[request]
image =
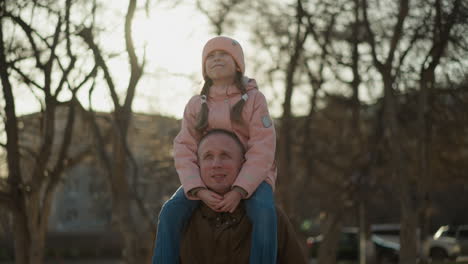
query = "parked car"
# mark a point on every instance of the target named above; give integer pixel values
(388, 232)
(448, 242)
(347, 245)
(386, 237)
(383, 251)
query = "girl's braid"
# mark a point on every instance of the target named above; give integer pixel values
(202, 119)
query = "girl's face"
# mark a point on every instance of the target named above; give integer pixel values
(219, 65)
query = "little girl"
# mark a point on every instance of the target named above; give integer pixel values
(232, 102)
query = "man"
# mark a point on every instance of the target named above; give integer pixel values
(221, 237)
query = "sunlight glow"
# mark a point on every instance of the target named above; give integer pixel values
(173, 40)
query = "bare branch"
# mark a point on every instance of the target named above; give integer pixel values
(87, 35)
(26, 79)
(416, 36)
(11, 125)
(64, 147)
(217, 22)
(91, 74)
(49, 63)
(67, 28)
(70, 54)
(218, 18)
(136, 69)
(62, 160)
(441, 33)
(398, 30)
(28, 31)
(65, 74)
(371, 36)
(89, 116)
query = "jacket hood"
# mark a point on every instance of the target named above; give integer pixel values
(250, 83)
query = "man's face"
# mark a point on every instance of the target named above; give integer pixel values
(220, 159)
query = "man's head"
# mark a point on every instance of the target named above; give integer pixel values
(220, 157)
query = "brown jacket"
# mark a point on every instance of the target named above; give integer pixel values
(223, 238)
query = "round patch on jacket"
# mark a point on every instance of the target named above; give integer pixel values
(266, 120)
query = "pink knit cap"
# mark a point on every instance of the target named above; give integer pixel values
(228, 45)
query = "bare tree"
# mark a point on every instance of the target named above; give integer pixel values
(392, 134)
(332, 209)
(443, 23)
(372, 149)
(219, 13)
(285, 137)
(120, 164)
(31, 185)
(391, 66)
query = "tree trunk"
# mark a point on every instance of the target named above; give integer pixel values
(408, 192)
(331, 231)
(29, 236)
(30, 189)
(137, 244)
(137, 234)
(37, 246)
(21, 237)
(440, 40)
(423, 156)
(408, 233)
(285, 175)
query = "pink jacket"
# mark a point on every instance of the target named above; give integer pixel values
(257, 134)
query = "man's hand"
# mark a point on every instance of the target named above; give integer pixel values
(211, 199)
(230, 202)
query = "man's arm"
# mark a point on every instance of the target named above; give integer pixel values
(289, 249)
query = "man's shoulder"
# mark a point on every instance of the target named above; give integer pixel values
(282, 216)
(280, 211)
(283, 219)
(289, 248)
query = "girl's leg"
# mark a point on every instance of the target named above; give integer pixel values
(262, 213)
(173, 217)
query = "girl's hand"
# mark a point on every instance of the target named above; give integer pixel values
(211, 199)
(230, 202)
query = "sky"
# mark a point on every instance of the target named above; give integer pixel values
(174, 39)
